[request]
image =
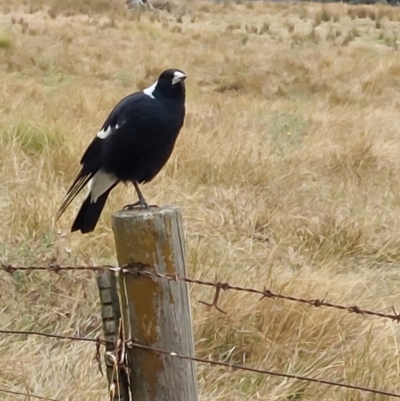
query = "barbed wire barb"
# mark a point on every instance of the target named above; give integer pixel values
(137, 269)
(219, 286)
(267, 293)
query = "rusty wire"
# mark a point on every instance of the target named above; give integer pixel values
(28, 395)
(54, 268)
(132, 344)
(265, 293)
(138, 269)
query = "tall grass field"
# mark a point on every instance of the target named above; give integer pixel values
(287, 172)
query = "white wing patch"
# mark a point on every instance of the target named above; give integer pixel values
(99, 184)
(104, 134)
(149, 91)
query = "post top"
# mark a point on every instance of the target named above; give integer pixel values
(147, 213)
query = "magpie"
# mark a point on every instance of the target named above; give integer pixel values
(132, 146)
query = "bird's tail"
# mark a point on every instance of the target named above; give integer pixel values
(89, 213)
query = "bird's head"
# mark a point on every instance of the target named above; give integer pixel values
(171, 84)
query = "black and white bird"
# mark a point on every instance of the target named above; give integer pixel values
(133, 145)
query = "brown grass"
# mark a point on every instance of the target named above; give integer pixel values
(287, 172)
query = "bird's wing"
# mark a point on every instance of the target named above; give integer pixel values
(92, 159)
(91, 163)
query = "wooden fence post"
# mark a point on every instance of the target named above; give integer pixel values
(111, 315)
(156, 312)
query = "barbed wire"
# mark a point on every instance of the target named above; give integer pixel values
(138, 269)
(265, 293)
(29, 395)
(55, 268)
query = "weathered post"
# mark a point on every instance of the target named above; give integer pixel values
(156, 312)
(111, 316)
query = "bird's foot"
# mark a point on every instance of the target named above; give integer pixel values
(140, 204)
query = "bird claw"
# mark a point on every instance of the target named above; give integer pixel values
(138, 205)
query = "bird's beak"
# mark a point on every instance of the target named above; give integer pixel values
(178, 77)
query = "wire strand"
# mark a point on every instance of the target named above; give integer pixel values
(58, 336)
(137, 269)
(264, 372)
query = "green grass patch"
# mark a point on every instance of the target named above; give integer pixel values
(6, 40)
(32, 138)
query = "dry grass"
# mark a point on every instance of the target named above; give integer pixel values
(287, 172)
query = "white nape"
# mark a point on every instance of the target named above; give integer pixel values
(149, 91)
(99, 184)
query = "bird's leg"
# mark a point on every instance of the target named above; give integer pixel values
(142, 203)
